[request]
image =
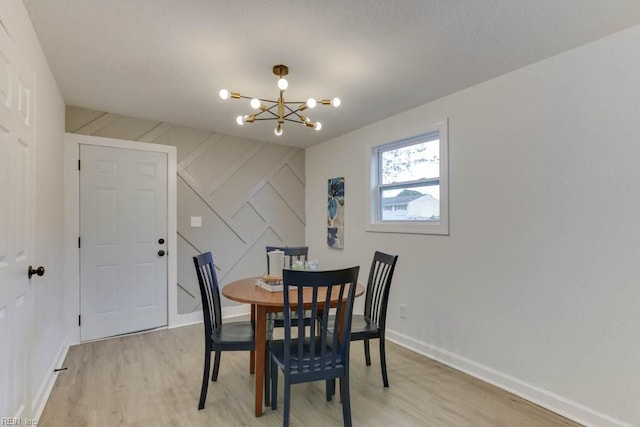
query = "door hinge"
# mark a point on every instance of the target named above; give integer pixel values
(78, 242)
(79, 321)
(78, 164)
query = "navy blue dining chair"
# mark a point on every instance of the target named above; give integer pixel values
(295, 253)
(372, 324)
(219, 336)
(321, 352)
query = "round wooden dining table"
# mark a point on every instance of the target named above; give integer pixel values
(263, 302)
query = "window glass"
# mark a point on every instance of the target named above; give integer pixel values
(411, 163)
(409, 184)
(411, 204)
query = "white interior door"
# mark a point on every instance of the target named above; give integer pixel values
(16, 227)
(123, 231)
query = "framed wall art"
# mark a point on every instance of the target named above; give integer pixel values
(335, 213)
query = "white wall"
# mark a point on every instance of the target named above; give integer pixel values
(47, 345)
(539, 290)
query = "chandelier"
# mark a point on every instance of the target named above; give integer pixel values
(279, 109)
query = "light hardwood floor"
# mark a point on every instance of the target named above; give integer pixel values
(153, 379)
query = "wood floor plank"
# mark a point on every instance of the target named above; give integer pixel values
(153, 379)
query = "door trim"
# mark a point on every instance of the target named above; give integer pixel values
(72, 225)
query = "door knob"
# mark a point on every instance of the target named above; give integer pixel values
(161, 252)
(161, 241)
(39, 271)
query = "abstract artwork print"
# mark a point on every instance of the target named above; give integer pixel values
(335, 213)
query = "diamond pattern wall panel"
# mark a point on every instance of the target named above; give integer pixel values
(249, 194)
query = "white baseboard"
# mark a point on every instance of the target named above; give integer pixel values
(41, 397)
(185, 319)
(196, 317)
(549, 400)
(236, 311)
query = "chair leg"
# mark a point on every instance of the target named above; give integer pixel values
(216, 366)
(205, 378)
(383, 362)
(267, 377)
(367, 352)
(274, 386)
(346, 401)
(329, 389)
(287, 401)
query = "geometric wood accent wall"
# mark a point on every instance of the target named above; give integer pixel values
(249, 194)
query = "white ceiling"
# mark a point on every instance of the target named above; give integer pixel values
(166, 60)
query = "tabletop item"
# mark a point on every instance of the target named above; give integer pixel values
(304, 265)
(270, 283)
(276, 262)
(298, 265)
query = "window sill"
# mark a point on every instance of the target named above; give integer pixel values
(438, 228)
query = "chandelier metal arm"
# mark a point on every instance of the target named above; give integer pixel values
(268, 110)
(299, 118)
(294, 121)
(265, 118)
(260, 99)
(291, 111)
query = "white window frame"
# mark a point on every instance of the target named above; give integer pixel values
(441, 227)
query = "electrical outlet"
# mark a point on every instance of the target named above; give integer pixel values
(403, 311)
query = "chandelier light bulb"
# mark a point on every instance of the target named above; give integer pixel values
(336, 102)
(283, 84)
(240, 120)
(255, 103)
(318, 126)
(224, 94)
(278, 131)
(311, 103)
